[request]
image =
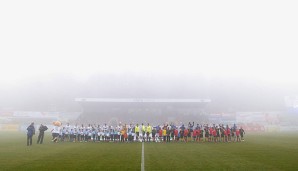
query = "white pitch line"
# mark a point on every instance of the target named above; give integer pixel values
(143, 161)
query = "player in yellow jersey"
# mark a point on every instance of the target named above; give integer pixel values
(164, 133)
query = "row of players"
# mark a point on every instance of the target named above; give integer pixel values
(165, 133)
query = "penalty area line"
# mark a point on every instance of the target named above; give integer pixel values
(143, 161)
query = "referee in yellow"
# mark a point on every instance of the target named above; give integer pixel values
(148, 132)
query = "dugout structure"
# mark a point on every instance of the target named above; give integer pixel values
(141, 110)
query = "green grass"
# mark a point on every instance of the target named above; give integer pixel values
(257, 152)
(16, 155)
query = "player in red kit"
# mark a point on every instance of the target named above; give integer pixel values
(176, 134)
(185, 134)
(238, 135)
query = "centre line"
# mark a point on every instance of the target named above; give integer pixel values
(143, 161)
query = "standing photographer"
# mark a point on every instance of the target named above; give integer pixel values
(42, 129)
(30, 133)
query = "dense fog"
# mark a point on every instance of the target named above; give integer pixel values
(241, 56)
(57, 92)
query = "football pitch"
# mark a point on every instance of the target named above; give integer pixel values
(258, 152)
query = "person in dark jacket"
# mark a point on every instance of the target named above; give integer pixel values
(42, 129)
(242, 132)
(30, 133)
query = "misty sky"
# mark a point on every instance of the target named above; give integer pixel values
(252, 39)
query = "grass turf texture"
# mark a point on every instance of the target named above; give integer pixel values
(258, 152)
